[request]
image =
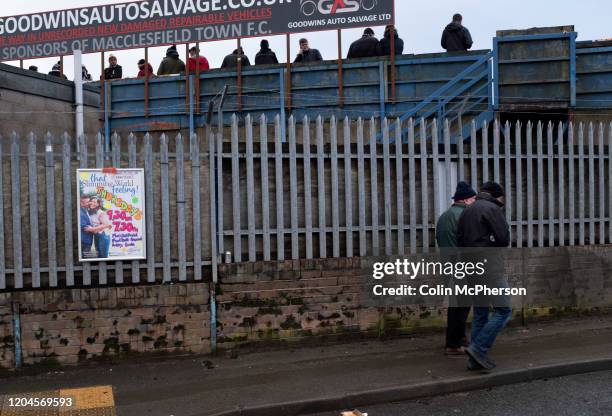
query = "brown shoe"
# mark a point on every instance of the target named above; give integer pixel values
(454, 352)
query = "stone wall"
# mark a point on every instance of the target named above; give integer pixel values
(71, 326)
(291, 301)
(324, 299)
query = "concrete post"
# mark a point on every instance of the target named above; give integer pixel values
(78, 95)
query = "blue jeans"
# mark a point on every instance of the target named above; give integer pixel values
(102, 242)
(485, 328)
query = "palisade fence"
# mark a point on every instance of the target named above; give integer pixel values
(328, 189)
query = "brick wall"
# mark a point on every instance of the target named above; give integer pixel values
(6, 333)
(305, 301)
(69, 326)
(324, 299)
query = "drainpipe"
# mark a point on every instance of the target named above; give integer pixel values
(17, 334)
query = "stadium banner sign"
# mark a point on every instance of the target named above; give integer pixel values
(151, 23)
(111, 216)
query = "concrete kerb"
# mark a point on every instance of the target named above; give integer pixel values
(416, 391)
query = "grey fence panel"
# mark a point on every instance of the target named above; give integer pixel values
(529, 170)
(519, 183)
(250, 189)
(100, 143)
(550, 179)
(67, 191)
(424, 190)
(363, 250)
(293, 190)
(321, 189)
(334, 189)
(387, 187)
(508, 175)
(116, 157)
(150, 208)
(16, 209)
(33, 202)
(165, 191)
(561, 182)
(213, 205)
(581, 187)
(412, 188)
(348, 187)
(280, 199)
(591, 149)
(540, 173)
(496, 142)
(399, 186)
(265, 187)
(485, 152)
(132, 164)
(448, 167)
(307, 187)
(236, 220)
(560, 174)
(180, 207)
(374, 188)
(220, 203)
(473, 159)
(436, 168)
(51, 222)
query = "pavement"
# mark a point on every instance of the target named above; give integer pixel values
(295, 381)
(577, 395)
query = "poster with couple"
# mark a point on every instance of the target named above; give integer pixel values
(111, 214)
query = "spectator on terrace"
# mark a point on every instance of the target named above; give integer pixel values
(265, 56)
(194, 58)
(456, 37)
(365, 47)
(33, 68)
(56, 71)
(384, 46)
(306, 54)
(145, 72)
(231, 60)
(114, 71)
(85, 75)
(171, 64)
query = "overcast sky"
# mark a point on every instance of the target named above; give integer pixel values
(419, 23)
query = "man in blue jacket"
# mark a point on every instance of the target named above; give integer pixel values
(85, 222)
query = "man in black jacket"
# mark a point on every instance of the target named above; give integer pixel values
(483, 225)
(114, 70)
(265, 56)
(456, 37)
(306, 54)
(384, 46)
(365, 47)
(231, 60)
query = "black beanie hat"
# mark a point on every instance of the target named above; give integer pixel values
(493, 188)
(464, 191)
(264, 44)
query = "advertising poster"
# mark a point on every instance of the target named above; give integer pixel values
(111, 214)
(149, 23)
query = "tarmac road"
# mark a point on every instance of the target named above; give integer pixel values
(579, 395)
